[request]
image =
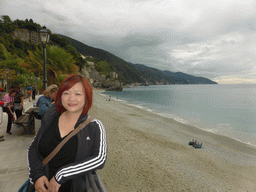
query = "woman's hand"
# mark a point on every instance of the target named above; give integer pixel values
(54, 186)
(42, 184)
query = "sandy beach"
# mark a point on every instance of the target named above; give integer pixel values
(147, 152)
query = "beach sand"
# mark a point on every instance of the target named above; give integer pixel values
(147, 152)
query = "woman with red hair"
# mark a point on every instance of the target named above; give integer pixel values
(84, 152)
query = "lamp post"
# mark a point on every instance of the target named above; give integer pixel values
(7, 72)
(44, 37)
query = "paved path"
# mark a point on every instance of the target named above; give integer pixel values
(13, 155)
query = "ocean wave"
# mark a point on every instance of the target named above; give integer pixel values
(223, 129)
(174, 117)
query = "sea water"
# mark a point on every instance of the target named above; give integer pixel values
(228, 110)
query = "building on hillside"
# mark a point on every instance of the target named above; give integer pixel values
(113, 75)
(27, 35)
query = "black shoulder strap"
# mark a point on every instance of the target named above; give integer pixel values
(74, 132)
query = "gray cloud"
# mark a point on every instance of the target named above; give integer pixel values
(54, 15)
(210, 39)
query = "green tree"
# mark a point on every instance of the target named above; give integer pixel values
(8, 60)
(103, 67)
(6, 19)
(57, 59)
(60, 61)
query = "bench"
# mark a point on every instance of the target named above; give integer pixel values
(27, 121)
(22, 120)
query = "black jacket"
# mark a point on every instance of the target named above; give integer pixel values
(91, 153)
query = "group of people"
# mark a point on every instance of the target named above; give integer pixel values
(62, 110)
(12, 103)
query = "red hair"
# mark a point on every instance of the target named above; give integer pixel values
(69, 82)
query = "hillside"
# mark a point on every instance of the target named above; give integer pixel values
(21, 51)
(154, 76)
(183, 78)
(127, 73)
(131, 73)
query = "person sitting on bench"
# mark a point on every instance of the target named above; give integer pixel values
(47, 99)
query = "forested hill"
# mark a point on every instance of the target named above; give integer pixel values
(127, 72)
(130, 73)
(151, 75)
(21, 52)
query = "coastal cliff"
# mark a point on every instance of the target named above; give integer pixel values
(137, 74)
(105, 70)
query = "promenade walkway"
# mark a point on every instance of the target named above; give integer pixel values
(13, 155)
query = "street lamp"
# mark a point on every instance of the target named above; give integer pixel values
(7, 72)
(44, 37)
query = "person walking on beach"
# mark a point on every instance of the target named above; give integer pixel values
(47, 99)
(84, 152)
(29, 92)
(8, 108)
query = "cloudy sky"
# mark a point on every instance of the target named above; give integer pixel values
(214, 39)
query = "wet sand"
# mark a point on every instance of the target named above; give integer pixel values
(147, 152)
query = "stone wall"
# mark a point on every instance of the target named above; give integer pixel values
(26, 35)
